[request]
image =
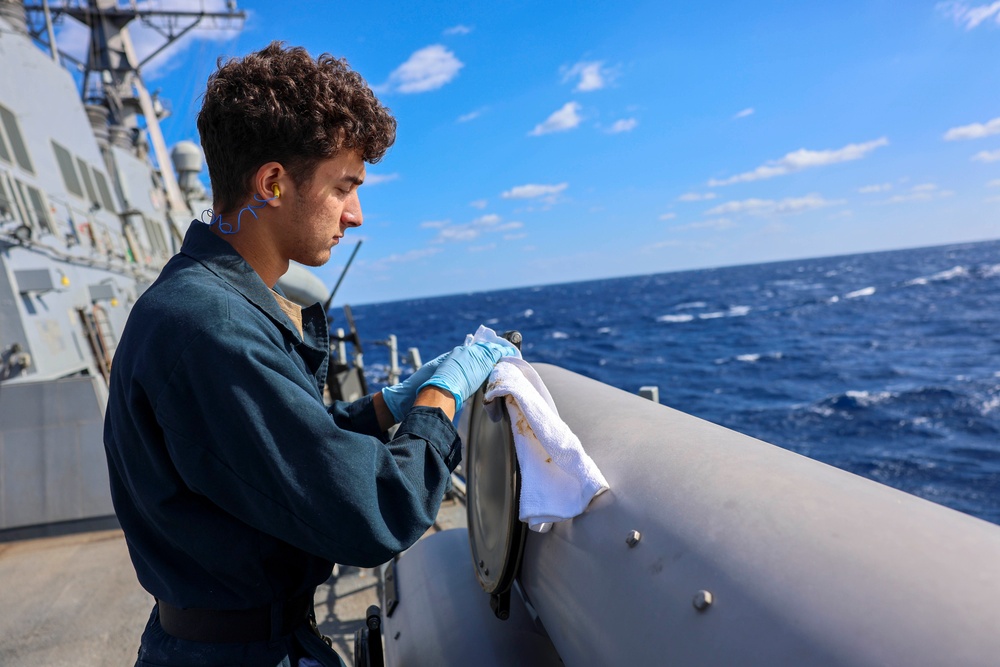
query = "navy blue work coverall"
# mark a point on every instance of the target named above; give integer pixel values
(236, 487)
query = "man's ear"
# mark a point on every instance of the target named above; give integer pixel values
(269, 181)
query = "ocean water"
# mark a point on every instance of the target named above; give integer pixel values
(886, 364)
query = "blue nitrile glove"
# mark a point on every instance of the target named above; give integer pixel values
(468, 367)
(399, 397)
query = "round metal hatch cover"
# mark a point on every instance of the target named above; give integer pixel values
(493, 487)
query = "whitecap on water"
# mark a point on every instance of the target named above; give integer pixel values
(866, 398)
(604, 330)
(954, 272)
(690, 304)
(734, 311)
(990, 404)
(949, 274)
(754, 357)
(868, 291)
(528, 313)
(560, 335)
(674, 318)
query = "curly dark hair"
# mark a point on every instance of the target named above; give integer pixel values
(279, 104)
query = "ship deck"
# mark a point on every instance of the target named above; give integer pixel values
(74, 599)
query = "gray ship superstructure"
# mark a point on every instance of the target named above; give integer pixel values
(90, 211)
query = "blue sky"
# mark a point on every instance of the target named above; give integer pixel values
(566, 140)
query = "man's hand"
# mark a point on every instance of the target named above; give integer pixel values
(399, 398)
(467, 367)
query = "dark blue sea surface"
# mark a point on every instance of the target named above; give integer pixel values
(886, 364)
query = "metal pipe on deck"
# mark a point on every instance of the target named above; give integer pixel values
(750, 554)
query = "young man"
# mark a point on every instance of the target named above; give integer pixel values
(237, 489)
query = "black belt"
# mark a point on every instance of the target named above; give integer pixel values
(223, 626)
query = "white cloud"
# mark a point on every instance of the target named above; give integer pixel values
(458, 30)
(668, 216)
(987, 156)
(922, 192)
(593, 76)
(482, 248)
(479, 203)
(803, 159)
(564, 119)
(458, 233)
(871, 189)
(486, 220)
(375, 179)
(743, 114)
(716, 223)
(490, 223)
(410, 256)
(995, 183)
(435, 224)
(975, 130)
(623, 125)
(514, 237)
(427, 69)
(472, 115)
(769, 206)
(697, 196)
(971, 17)
(532, 190)
(672, 243)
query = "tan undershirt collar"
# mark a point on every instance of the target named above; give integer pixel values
(291, 309)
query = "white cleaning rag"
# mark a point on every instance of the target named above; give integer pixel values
(558, 478)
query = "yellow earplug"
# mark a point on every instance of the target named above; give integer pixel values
(275, 190)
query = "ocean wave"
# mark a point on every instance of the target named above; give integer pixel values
(865, 399)
(989, 271)
(867, 291)
(941, 276)
(671, 319)
(734, 311)
(605, 330)
(690, 304)
(940, 400)
(559, 335)
(751, 358)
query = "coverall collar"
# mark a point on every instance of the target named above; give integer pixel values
(203, 246)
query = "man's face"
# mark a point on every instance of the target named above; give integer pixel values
(323, 209)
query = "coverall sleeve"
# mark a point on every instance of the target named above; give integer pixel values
(246, 427)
